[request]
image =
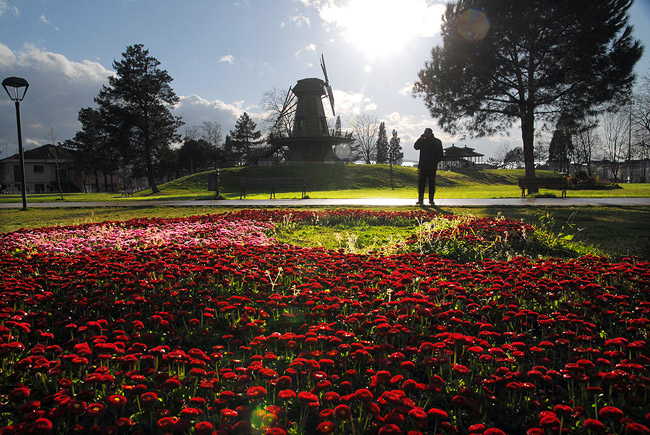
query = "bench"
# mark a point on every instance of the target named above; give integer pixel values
(559, 183)
(272, 183)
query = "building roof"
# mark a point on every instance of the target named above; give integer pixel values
(44, 152)
(457, 152)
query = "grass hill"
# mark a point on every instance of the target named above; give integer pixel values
(345, 177)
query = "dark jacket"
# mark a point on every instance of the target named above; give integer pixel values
(430, 152)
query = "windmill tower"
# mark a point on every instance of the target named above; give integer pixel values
(309, 140)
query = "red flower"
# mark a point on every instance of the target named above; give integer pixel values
(549, 421)
(460, 369)
(166, 423)
(171, 383)
(494, 431)
(96, 410)
(326, 427)
(594, 425)
(342, 412)
(390, 429)
(476, 428)
(306, 397)
(256, 393)
(76, 406)
(610, 412)
(203, 428)
(562, 410)
(189, 413)
(229, 414)
(124, 422)
(42, 425)
(363, 394)
(636, 429)
(286, 394)
(417, 414)
(438, 414)
(149, 398)
(116, 401)
(18, 394)
(331, 397)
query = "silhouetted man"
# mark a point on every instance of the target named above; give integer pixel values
(430, 155)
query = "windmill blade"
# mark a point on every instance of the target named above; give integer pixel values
(322, 66)
(331, 97)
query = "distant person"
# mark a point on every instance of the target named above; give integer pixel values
(430, 155)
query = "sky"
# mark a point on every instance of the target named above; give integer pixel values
(225, 55)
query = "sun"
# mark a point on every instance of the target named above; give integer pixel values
(381, 28)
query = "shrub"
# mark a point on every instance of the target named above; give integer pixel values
(581, 180)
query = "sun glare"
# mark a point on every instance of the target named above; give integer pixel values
(384, 27)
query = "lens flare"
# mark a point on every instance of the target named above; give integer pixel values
(473, 25)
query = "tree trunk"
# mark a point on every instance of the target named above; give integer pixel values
(150, 173)
(528, 137)
(147, 151)
(97, 182)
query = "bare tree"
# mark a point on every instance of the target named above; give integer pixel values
(500, 154)
(641, 109)
(585, 142)
(208, 131)
(615, 134)
(641, 124)
(280, 111)
(365, 128)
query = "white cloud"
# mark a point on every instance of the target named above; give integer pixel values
(406, 90)
(44, 20)
(58, 89)
(195, 110)
(227, 58)
(299, 20)
(308, 47)
(351, 103)
(7, 57)
(5, 6)
(370, 106)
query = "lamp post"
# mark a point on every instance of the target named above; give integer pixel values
(16, 88)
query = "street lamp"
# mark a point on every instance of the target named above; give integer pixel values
(16, 88)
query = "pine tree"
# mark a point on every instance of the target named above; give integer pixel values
(137, 104)
(561, 147)
(395, 154)
(243, 139)
(382, 145)
(337, 127)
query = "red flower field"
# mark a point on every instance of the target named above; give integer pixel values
(208, 325)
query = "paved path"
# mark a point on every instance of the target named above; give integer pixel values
(358, 202)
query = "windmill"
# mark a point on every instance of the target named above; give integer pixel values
(309, 139)
(328, 88)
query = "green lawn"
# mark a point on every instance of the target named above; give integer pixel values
(343, 181)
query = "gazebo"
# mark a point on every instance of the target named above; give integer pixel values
(460, 158)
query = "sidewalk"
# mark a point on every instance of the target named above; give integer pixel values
(356, 202)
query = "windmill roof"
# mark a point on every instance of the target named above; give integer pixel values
(309, 85)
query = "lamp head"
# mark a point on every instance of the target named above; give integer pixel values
(15, 87)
